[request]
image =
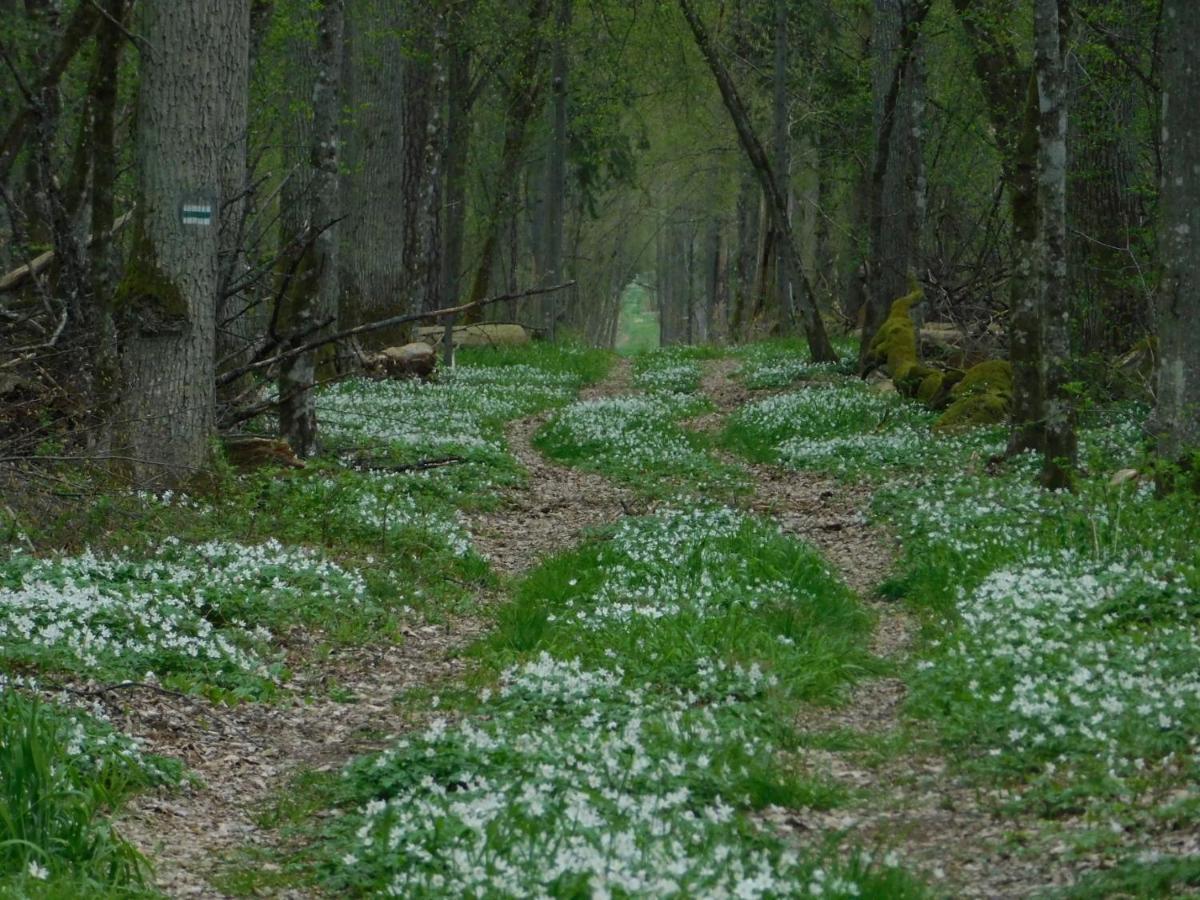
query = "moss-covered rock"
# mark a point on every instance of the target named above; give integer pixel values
(982, 397)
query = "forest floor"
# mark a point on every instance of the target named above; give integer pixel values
(621, 561)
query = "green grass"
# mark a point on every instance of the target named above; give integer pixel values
(640, 686)
(1138, 880)
(60, 773)
(660, 596)
(638, 328)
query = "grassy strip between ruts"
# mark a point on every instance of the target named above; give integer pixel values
(201, 592)
(643, 711)
(636, 438)
(1063, 630)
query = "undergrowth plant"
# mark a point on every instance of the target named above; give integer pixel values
(641, 712)
(60, 773)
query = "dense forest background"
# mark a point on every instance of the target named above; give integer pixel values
(197, 197)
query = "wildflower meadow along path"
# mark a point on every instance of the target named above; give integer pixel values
(696, 624)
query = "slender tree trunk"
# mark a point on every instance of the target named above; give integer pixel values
(782, 141)
(455, 151)
(895, 182)
(524, 90)
(1025, 316)
(1176, 419)
(1104, 204)
(556, 169)
(166, 303)
(748, 202)
(1011, 92)
(1051, 25)
(814, 328)
(103, 261)
(316, 297)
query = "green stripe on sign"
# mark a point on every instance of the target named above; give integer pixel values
(194, 214)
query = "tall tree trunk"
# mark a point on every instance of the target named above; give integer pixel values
(554, 205)
(392, 89)
(1176, 419)
(316, 297)
(895, 179)
(1104, 204)
(749, 200)
(103, 261)
(782, 142)
(1025, 315)
(455, 151)
(1050, 56)
(814, 328)
(1011, 93)
(521, 103)
(166, 303)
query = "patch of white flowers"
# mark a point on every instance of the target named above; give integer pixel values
(1081, 657)
(598, 792)
(457, 414)
(90, 611)
(675, 564)
(667, 370)
(384, 502)
(634, 430)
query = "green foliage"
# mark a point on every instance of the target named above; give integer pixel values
(59, 772)
(660, 596)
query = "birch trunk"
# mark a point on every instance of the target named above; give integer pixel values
(1051, 23)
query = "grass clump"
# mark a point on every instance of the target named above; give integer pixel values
(60, 773)
(1062, 651)
(193, 616)
(672, 369)
(575, 783)
(846, 429)
(691, 598)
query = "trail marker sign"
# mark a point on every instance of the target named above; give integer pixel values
(196, 213)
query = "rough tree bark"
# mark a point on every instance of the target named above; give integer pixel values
(166, 302)
(316, 297)
(1176, 419)
(1050, 55)
(814, 329)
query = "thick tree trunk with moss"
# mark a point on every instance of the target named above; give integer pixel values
(165, 306)
(1050, 56)
(316, 297)
(1176, 419)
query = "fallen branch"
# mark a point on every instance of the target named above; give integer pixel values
(420, 465)
(39, 264)
(235, 374)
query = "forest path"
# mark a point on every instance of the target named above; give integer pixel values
(904, 795)
(244, 758)
(547, 513)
